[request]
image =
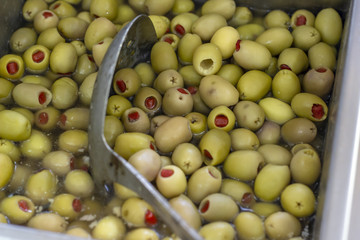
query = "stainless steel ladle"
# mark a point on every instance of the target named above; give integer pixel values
(130, 46)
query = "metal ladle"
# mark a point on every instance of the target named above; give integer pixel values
(131, 45)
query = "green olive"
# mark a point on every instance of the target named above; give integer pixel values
(309, 106)
(3, 219)
(161, 23)
(126, 144)
(112, 128)
(41, 186)
(172, 132)
(328, 22)
(225, 39)
(31, 8)
(49, 38)
(126, 82)
(11, 149)
(79, 183)
(177, 102)
(20, 176)
(305, 37)
(265, 209)
(272, 69)
(243, 139)
(218, 207)
(221, 117)
(275, 154)
(66, 205)
(59, 162)
(65, 93)
(36, 146)
(282, 225)
(99, 49)
(156, 121)
(146, 73)
(75, 118)
(215, 91)
(11, 66)
(305, 166)
(182, 23)
(147, 162)
(242, 15)
(48, 221)
(224, 8)
(149, 100)
(153, 6)
(36, 59)
(207, 59)
(198, 123)
(318, 81)
(249, 226)
(101, 8)
(231, 72)
(187, 45)
(123, 192)
(72, 28)
(285, 85)
(206, 25)
(276, 39)
(241, 192)
(250, 31)
(63, 9)
(63, 58)
(163, 57)
(47, 118)
(135, 120)
(269, 133)
(298, 199)
(74, 141)
(136, 212)
(171, 181)
(138, 233)
(84, 67)
(37, 79)
(270, 182)
(254, 85)
(97, 30)
(293, 59)
(19, 209)
(86, 89)
(203, 182)
(276, 110)
(26, 112)
(187, 157)
(243, 164)
(86, 16)
(32, 96)
(15, 126)
(22, 39)
(124, 14)
(6, 88)
(167, 79)
(199, 104)
(276, 18)
(182, 6)
(215, 146)
(322, 55)
(44, 20)
(7, 166)
(172, 39)
(298, 130)
(249, 115)
(302, 17)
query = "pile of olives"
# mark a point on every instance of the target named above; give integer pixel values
(226, 119)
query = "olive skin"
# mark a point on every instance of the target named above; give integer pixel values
(243, 164)
(254, 85)
(293, 59)
(181, 24)
(7, 165)
(231, 72)
(97, 30)
(207, 59)
(153, 6)
(161, 23)
(63, 9)
(203, 182)
(64, 93)
(318, 81)
(72, 28)
(36, 146)
(177, 102)
(18, 209)
(48, 221)
(322, 55)
(309, 106)
(167, 79)
(112, 128)
(218, 207)
(206, 25)
(149, 100)
(285, 85)
(146, 74)
(282, 225)
(305, 37)
(63, 58)
(44, 20)
(241, 192)
(74, 141)
(187, 45)
(22, 39)
(225, 39)
(276, 39)
(249, 115)
(217, 230)
(163, 57)
(136, 211)
(276, 110)
(11, 149)
(305, 166)
(117, 105)
(41, 186)
(249, 226)
(276, 18)
(47, 118)
(32, 96)
(265, 209)
(252, 55)
(74, 118)
(302, 17)
(198, 123)
(215, 146)
(275, 154)
(147, 162)
(141, 232)
(171, 181)
(242, 16)
(244, 139)
(84, 67)
(126, 82)
(172, 132)
(15, 126)
(156, 121)
(187, 157)
(135, 120)
(59, 162)
(250, 31)
(298, 130)
(328, 22)
(269, 133)
(79, 183)
(298, 199)
(215, 91)
(107, 8)
(126, 144)
(224, 8)
(66, 205)
(270, 181)
(186, 209)
(50, 38)
(32, 7)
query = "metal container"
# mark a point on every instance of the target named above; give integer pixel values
(338, 211)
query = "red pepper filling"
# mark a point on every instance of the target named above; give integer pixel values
(221, 121)
(43, 118)
(134, 116)
(207, 154)
(285, 66)
(76, 204)
(182, 90)
(72, 163)
(63, 119)
(150, 218)
(180, 29)
(12, 68)
(300, 20)
(246, 198)
(47, 14)
(237, 47)
(38, 56)
(168, 40)
(317, 111)
(91, 58)
(152, 146)
(205, 207)
(321, 70)
(150, 102)
(56, 6)
(121, 85)
(24, 206)
(211, 173)
(166, 173)
(42, 97)
(192, 90)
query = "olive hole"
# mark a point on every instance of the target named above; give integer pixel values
(207, 63)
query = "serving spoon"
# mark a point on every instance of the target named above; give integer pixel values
(131, 45)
